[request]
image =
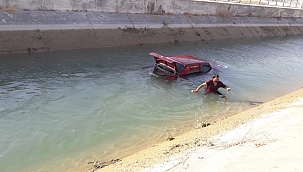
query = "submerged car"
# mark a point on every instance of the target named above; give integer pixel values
(172, 67)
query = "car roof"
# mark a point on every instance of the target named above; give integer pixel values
(183, 59)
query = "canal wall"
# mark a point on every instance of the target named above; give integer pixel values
(36, 27)
(199, 7)
(38, 31)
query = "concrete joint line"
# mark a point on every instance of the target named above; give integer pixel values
(130, 21)
(89, 22)
(35, 22)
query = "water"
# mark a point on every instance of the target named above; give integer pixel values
(60, 110)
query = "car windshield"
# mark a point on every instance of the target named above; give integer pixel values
(179, 67)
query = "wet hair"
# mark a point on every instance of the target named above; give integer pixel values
(215, 76)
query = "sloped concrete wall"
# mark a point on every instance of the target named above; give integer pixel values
(40, 31)
(39, 25)
(153, 7)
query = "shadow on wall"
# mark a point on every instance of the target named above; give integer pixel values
(151, 9)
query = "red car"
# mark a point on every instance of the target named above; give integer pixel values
(172, 67)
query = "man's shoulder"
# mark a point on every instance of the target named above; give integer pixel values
(209, 81)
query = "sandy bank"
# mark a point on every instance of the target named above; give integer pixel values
(264, 138)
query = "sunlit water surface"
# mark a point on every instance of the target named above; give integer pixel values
(60, 110)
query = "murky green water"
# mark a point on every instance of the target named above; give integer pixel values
(60, 110)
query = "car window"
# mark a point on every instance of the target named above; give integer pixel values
(163, 66)
(179, 67)
(193, 69)
(205, 68)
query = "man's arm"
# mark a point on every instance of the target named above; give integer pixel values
(224, 86)
(227, 88)
(200, 86)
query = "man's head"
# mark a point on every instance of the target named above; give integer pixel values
(215, 77)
